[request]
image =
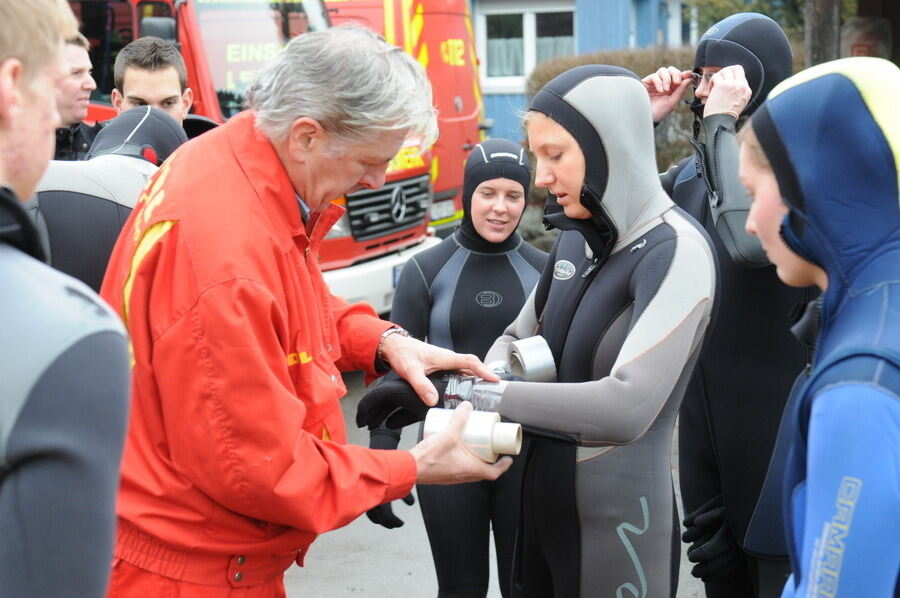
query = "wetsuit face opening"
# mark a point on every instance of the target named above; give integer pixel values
(702, 82)
(767, 213)
(496, 208)
(560, 166)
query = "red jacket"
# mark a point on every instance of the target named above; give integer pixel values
(236, 441)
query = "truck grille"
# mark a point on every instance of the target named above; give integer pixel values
(397, 206)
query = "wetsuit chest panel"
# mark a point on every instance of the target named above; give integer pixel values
(488, 296)
(475, 294)
(593, 310)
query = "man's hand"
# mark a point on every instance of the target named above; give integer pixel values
(442, 458)
(729, 92)
(666, 88)
(392, 402)
(386, 439)
(413, 360)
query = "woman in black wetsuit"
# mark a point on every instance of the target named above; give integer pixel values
(460, 295)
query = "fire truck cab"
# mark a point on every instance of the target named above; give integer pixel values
(224, 44)
(437, 33)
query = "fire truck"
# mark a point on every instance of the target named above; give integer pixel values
(437, 33)
(224, 44)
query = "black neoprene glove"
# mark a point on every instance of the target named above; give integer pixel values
(386, 439)
(392, 402)
(713, 546)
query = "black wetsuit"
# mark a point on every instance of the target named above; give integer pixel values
(623, 304)
(461, 295)
(82, 205)
(63, 413)
(733, 405)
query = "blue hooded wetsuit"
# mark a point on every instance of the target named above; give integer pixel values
(832, 135)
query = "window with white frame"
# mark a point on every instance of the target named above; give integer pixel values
(513, 37)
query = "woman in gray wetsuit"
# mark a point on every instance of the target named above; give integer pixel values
(623, 304)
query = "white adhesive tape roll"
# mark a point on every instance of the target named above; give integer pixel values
(532, 359)
(484, 435)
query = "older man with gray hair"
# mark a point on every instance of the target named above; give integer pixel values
(236, 457)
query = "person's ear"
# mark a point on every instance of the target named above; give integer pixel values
(187, 99)
(117, 99)
(10, 92)
(306, 136)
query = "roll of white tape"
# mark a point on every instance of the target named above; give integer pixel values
(484, 435)
(532, 359)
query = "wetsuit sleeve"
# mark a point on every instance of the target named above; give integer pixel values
(730, 203)
(672, 289)
(248, 448)
(412, 301)
(58, 491)
(847, 518)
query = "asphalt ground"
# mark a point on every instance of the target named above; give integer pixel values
(364, 559)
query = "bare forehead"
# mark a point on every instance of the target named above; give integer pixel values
(544, 131)
(159, 81)
(500, 183)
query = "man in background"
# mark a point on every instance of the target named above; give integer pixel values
(151, 72)
(73, 93)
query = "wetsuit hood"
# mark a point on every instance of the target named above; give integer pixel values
(832, 136)
(144, 132)
(492, 159)
(607, 110)
(753, 41)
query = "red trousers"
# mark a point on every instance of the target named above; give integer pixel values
(128, 581)
(144, 567)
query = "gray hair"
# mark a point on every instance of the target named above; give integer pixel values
(351, 81)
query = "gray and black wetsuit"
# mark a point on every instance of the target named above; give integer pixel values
(64, 380)
(461, 295)
(623, 303)
(83, 205)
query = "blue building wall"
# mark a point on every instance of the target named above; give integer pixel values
(599, 25)
(602, 25)
(504, 108)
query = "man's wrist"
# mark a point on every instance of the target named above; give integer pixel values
(381, 363)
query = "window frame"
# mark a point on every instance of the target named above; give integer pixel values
(528, 9)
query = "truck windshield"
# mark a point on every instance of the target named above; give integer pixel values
(240, 36)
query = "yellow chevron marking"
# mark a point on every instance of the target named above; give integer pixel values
(302, 358)
(389, 24)
(150, 238)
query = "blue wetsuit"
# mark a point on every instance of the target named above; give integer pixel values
(832, 135)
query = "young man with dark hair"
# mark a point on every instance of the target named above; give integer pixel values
(73, 92)
(150, 72)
